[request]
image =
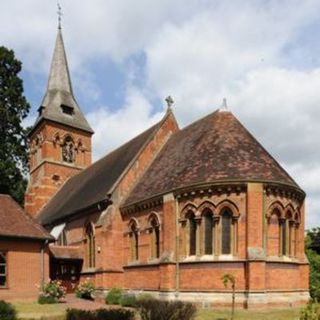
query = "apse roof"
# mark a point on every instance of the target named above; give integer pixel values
(216, 148)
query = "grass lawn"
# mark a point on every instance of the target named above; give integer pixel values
(275, 314)
(33, 310)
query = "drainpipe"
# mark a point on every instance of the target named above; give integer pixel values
(177, 248)
(42, 271)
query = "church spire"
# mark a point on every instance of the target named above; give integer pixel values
(59, 76)
(59, 104)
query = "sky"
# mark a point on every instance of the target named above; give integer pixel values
(126, 56)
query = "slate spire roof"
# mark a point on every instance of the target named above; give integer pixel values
(59, 104)
(214, 149)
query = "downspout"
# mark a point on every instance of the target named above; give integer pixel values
(177, 249)
(42, 271)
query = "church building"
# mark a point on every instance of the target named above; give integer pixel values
(169, 212)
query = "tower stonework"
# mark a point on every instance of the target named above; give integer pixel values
(60, 140)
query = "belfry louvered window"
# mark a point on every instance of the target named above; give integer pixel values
(226, 226)
(208, 233)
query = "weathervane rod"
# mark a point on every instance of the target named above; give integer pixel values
(59, 12)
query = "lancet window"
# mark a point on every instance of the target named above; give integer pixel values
(155, 237)
(90, 246)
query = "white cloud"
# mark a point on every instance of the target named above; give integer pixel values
(113, 129)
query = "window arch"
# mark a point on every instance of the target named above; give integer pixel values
(155, 237)
(134, 236)
(192, 226)
(226, 231)
(90, 246)
(208, 226)
(68, 150)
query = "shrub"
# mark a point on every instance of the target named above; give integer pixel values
(128, 300)
(51, 292)
(85, 290)
(101, 314)
(7, 311)
(76, 314)
(42, 299)
(114, 295)
(310, 312)
(153, 309)
(145, 296)
(114, 314)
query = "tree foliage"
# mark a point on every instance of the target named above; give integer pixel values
(311, 245)
(13, 137)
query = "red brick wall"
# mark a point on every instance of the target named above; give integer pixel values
(167, 128)
(47, 170)
(23, 268)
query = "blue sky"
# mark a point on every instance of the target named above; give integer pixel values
(126, 56)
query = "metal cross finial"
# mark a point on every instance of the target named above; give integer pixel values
(60, 14)
(224, 105)
(169, 101)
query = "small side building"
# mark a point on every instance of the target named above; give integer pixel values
(24, 259)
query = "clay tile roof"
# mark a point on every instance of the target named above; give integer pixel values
(16, 223)
(62, 252)
(213, 149)
(93, 184)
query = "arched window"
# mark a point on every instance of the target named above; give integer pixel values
(226, 232)
(68, 152)
(208, 232)
(192, 234)
(283, 237)
(90, 248)
(134, 235)
(155, 238)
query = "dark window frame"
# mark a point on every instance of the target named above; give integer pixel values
(4, 275)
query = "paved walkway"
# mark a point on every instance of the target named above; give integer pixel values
(72, 301)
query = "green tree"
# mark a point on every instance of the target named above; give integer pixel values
(226, 278)
(13, 137)
(311, 245)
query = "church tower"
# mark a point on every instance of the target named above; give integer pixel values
(60, 140)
